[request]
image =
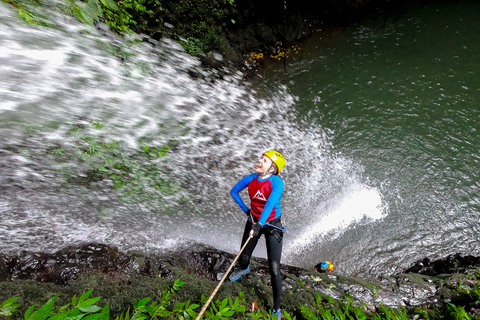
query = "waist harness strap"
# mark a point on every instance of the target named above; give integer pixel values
(273, 226)
(269, 223)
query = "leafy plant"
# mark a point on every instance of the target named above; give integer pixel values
(82, 307)
(324, 308)
(458, 312)
(185, 309)
(391, 313)
(25, 14)
(192, 45)
(137, 175)
(9, 306)
(89, 12)
(374, 289)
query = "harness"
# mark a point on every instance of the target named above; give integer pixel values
(273, 226)
(276, 231)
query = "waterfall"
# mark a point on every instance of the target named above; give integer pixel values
(134, 143)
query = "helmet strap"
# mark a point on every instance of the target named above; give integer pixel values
(274, 167)
(270, 171)
(265, 175)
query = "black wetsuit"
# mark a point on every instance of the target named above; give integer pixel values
(274, 242)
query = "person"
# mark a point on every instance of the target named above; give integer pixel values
(325, 266)
(265, 189)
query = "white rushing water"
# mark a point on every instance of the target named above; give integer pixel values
(63, 87)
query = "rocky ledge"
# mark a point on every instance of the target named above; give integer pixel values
(122, 277)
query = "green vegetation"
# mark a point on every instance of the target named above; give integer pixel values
(27, 15)
(121, 16)
(200, 32)
(322, 308)
(86, 308)
(138, 175)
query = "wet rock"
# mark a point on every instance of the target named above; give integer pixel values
(201, 267)
(451, 264)
(63, 266)
(3, 268)
(214, 59)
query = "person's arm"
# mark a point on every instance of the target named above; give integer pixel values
(242, 184)
(273, 199)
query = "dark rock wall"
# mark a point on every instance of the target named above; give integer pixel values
(204, 26)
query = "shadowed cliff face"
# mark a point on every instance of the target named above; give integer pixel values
(242, 26)
(451, 264)
(64, 266)
(122, 277)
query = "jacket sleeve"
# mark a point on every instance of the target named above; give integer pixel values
(242, 184)
(273, 199)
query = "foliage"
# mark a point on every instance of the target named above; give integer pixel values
(9, 306)
(329, 309)
(203, 35)
(192, 45)
(25, 14)
(138, 175)
(126, 17)
(458, 312)
(86, 308)
(323, 307)
(200, 32)
(117, 16)
(391, 314)
(82, 307)
(122, 16)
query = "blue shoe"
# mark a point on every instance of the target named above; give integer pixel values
(237, 274)
(277, 314)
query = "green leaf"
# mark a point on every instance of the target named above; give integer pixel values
(89, 302)
(84, 296)
(110, 4)
(94, 316)
(105, 314)
(177, 284)
(29, 312)
(44, 311)
(214, 308)
(227, 313)
(143, 302)
(164, 313)
(223, 304)
(59, 316)
(238, 308)
(9, 302)
(75, 317)
(8, 310)
(193, 306)
(63, 308)
(359, 314)
(84, 17)
(90, 309)
(74, 300)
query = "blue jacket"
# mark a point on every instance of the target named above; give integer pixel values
(264, 195)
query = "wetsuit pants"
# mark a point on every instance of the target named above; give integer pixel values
(274, 242)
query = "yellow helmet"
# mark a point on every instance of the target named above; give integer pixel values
(277, 158)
